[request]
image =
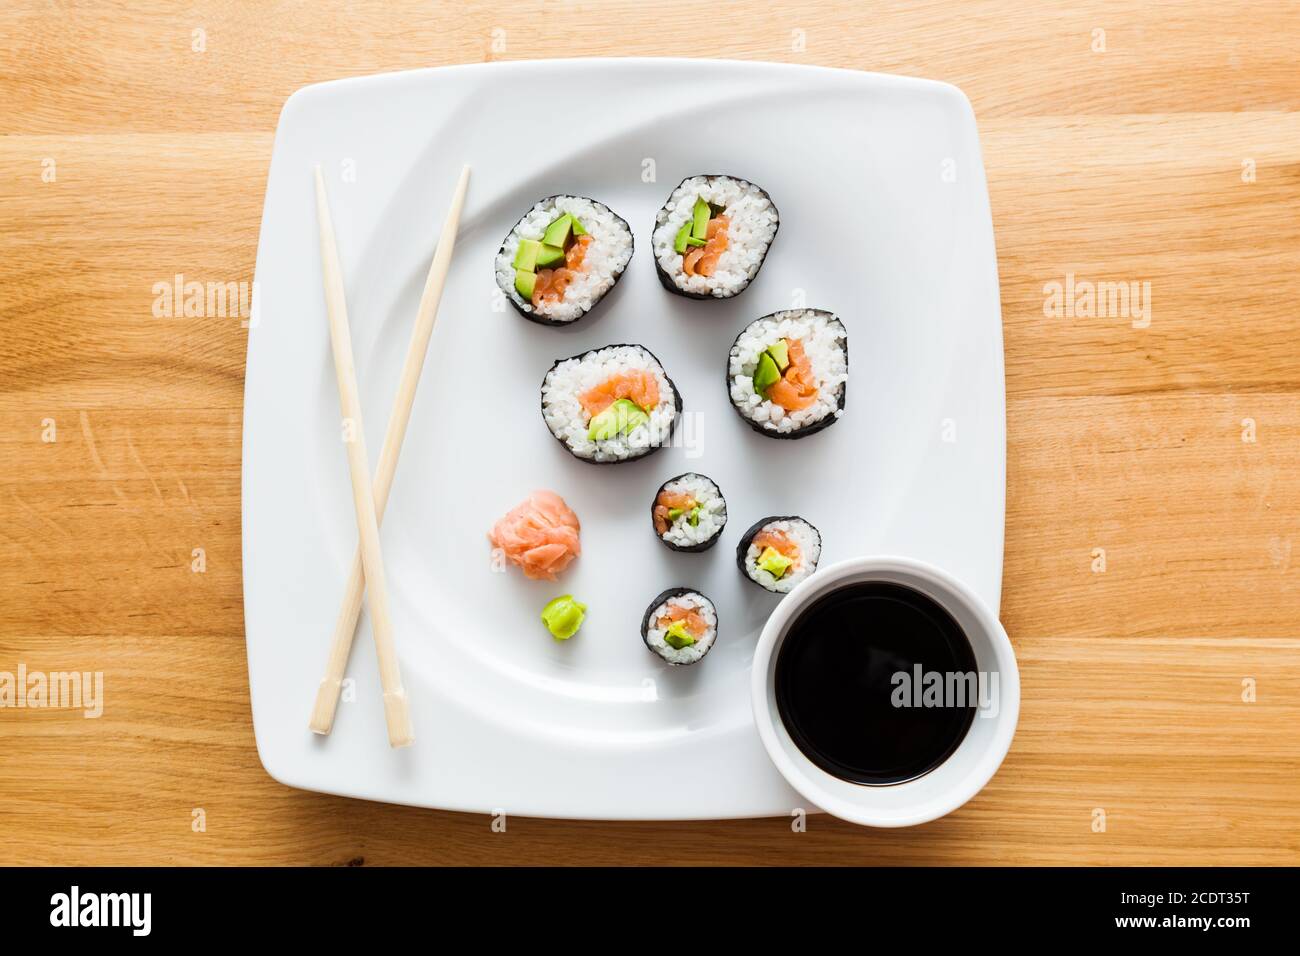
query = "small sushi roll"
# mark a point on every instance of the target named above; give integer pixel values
(562, 258)
(788, 372)
(712, 235)
(680, 626)
(689, 512)
(779, 552)
(611, 404)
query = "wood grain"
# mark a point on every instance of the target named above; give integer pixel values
(1128, 165)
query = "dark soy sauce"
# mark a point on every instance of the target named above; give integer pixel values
(835, 683)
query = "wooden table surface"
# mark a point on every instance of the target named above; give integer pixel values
(1153, 143)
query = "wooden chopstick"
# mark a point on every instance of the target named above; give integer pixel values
(396, 714)
(327, 695)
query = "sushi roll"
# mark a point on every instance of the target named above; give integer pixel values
(788, 372)
(680, 626)
(779, 552)
(611, 404)
(689, 512)
(711, 236)
(561, 258)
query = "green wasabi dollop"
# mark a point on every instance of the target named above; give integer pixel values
(563, 616)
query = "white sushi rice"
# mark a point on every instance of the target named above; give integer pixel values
(753, 223)
(824, 341)
(691, 601)
(713, 511)
(569, 422)
(810, 551)
(606, 258)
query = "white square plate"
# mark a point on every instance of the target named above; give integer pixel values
(884, 220)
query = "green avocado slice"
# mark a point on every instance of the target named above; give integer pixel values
(578, 229)
(685, 239)
(767, 374)
(557, 233)
(774, 562)
(525, 282)
(780, 352)
(677, 636)
(526, 257)
(700, 219)
(679, 242)
(619, 418)
(549, 255)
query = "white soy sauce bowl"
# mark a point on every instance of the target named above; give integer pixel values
(958, 778)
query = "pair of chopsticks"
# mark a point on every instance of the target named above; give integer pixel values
(370, 496)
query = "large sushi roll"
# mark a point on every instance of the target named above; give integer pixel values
(788, 372)
(689, 512)
(779, 552)
(561, 258)
(711, 236)
(680, 626)
(611, 404)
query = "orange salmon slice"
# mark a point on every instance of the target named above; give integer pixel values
(703, 260)
(638, 385)
(577, 252)
(694, 623)
(797, 389)
(666, 501)
(551, 283)
(777, 540)
(714, 247)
